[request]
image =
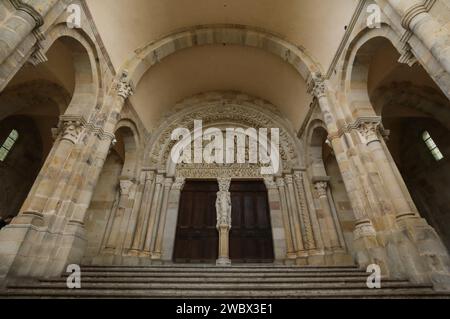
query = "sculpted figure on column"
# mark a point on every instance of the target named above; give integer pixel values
(223, 208)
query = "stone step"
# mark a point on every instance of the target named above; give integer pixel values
(221, 270)
(190, 281)
(219, 274)
(217, 286)
(225, 294)
(278, 280)
(209, 266)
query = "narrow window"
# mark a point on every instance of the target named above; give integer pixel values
(8, 144)
(432, 146)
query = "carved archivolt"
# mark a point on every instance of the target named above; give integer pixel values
(219, 110)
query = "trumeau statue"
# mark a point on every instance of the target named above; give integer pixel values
(223, 207)
(223, 203)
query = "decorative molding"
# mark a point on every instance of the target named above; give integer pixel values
(346, 37)
(221, 108)
(414, 11)
(25, 7)
(209, 171)
(308, 236)
(224, 184)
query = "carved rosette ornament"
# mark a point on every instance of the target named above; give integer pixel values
(124, 87)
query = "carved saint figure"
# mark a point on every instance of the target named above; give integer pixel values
(223, 207)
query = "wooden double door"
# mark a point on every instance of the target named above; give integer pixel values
(197, 238)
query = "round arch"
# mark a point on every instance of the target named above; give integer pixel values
(153, 53)
(221, 108)
(356, 63)
(88, 82)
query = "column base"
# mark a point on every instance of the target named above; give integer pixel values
(223, 261)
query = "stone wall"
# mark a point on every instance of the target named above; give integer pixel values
(21, 166)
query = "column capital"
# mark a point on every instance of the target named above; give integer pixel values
(124, 87)
(368, 128)
(125, 186)
(70, 128)
(321, 188)
(280, 182)
(178, 184)
(289, 179)
(224, 184)
(316, 85)
(270, 182)
(364, 228)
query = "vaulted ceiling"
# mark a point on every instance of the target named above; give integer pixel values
(126, 25)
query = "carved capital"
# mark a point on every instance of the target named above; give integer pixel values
(369, 131)
(289, 179)
(159, 179)
(70, 129)
(280, 182)
(178, 184)
(224, 184)
(316, 85)
(125, 186)
(270, 182)
(364, 228)
(321, 188)
(124, 87)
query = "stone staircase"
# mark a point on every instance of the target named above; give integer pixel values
(191, 282)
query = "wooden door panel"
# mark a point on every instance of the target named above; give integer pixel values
(197, 238)
(251, 235)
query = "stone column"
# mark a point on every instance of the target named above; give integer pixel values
(417, 243)
(155, 202)
(52, 217)
(168, 240)
(139, 233)
(287, 220)
(415, 17)
(28, 16)
(292, 204)
(367, 248)
(330, 237)
(119, 220)
(368, 129)
(223, 208)
(278, 221)
(157, 248)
